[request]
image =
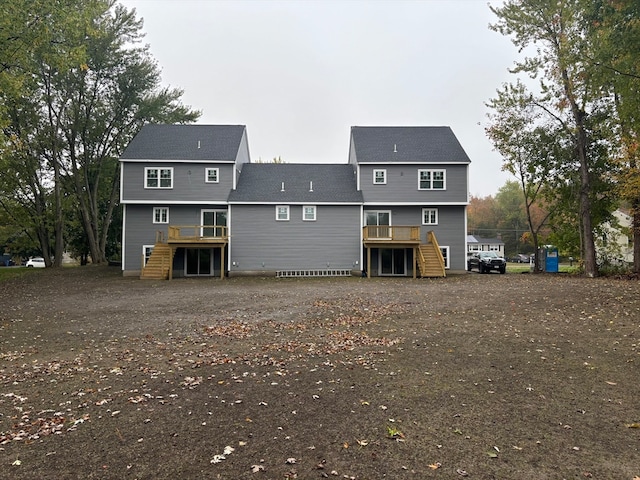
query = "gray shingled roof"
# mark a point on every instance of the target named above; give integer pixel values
(181, 142)
(262, 183)
(484, 240)
(407, 144)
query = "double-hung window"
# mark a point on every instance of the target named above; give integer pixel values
(309, 213)
(158, 177)
(429, 216)
(212, 175)
(282, 213)
(379, 177)
(160, 215)
(431, 180)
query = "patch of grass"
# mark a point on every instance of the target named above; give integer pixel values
(9, 272)
(525, 267)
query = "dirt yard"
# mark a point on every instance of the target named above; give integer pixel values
(514, 376)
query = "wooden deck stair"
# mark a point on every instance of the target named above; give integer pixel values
(430, 260)
(157, 267)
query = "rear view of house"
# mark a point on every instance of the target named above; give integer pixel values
(414, 180)
(175, 183)
(195, 205)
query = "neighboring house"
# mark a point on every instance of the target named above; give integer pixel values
(615, 245)
(480, 244)
(194, 205)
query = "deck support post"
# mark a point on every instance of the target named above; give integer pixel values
(171, 264)
(415, 261)
(368, 262)
(222, 262)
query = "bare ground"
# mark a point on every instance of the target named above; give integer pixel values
(478, 376)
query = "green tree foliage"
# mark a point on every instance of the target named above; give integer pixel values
(81, 98)
(568, 110)
(615, 28)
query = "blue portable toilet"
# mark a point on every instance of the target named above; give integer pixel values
(551, 262)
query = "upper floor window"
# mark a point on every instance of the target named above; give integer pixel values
(158, 177)
(309, 213)
(282, 213)
(160, 215)
(212, 175)
(431, 180)
(379, 177)
(429, 216)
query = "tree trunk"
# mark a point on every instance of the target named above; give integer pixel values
(636, 236)
(579, 116)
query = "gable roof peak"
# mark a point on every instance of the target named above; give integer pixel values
(407, 144)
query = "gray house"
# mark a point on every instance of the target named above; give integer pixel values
(412, 179)
(295, 219)
(174, 188)
(194, 205)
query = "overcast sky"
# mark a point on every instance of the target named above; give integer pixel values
(299, 74)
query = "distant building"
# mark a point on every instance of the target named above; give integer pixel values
(481, 244)
(615, 245)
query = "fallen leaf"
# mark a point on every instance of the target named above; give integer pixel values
(633, 425)
(611, 383)
(17, 463)
(290, 461)
(257, 468)
(435, 466)
(363, 443)
(462, 473)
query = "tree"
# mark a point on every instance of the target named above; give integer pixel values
(615, 28)
(554, 31)
(482, 215)
(81, 114)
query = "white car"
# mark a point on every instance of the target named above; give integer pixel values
(36, 262)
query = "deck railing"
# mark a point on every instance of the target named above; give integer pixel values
(393, 233)
(198, 233)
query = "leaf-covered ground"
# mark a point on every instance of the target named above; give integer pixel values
(478, 376)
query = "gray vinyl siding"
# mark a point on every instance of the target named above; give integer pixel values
(243, 151)
(188, 182)
(449, 231)
(260, 243)
(140, 229)
(402, 184)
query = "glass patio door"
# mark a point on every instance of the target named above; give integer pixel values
(199, 261)
(393, 261)
(381, 220)
(211, 221)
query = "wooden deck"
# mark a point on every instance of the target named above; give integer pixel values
(426, 256)
(160, 264)
(391, 236)
(197, 235)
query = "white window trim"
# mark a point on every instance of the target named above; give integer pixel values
(384, 176)
(432, 171)
(144, 252)
(155, 209)
(206, 175)
(424, 210)
(304, 208)
(447, 258)
(158, 169)
(278, 207)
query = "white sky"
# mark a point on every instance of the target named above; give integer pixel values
(299, 74)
